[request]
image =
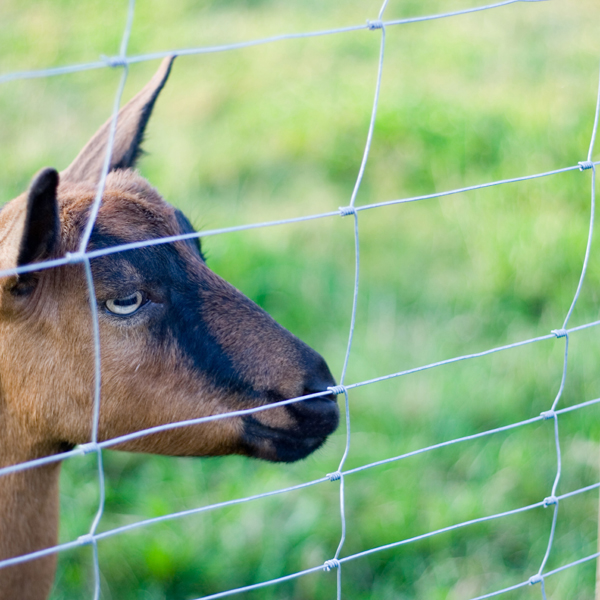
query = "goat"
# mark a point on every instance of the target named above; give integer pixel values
(177, 343)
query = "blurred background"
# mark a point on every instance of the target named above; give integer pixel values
(278, 131)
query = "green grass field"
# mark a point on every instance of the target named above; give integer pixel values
(278, 131)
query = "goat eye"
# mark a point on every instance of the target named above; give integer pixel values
(126, 305)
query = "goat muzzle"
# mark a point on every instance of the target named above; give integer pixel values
(308, 424)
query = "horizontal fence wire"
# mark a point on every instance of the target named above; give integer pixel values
(92, 447)
(83, 257)
(123, 60)
(327, 478)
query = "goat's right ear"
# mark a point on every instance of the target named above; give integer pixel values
(41, 229)
(131, 124)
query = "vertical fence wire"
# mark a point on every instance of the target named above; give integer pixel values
(92, 296)
(552, 500)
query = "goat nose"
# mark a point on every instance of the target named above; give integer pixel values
(320, 415)
(319, 378)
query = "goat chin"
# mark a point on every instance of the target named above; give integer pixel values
(314, 419)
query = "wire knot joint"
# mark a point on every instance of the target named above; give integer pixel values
(550, 500)
(88, 448)
(74, 257)
(337, 389)
(560, 333)
(330, 564)
(115, 61)
(335, 476)
(346, 211)
(377, 24)
(547, 415)
(584, 165)
(535, 579)
(85, 540)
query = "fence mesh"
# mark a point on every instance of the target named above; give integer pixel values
(376, 26)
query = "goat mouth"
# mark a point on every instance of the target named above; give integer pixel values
(279, 444)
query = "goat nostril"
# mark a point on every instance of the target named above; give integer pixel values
(318, 415)
(319, 379)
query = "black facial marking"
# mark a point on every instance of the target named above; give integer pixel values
(163, 273)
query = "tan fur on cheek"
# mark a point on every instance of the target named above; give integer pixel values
(47, 382)
(145, 385)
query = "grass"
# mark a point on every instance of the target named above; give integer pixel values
(278, 131)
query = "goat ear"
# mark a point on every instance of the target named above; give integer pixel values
(131, 123)
(41, 229)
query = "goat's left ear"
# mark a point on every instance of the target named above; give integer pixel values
(131, 123)
(41, 229)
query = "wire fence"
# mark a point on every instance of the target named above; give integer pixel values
(377, 26)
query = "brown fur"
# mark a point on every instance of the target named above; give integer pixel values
(149, 374)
